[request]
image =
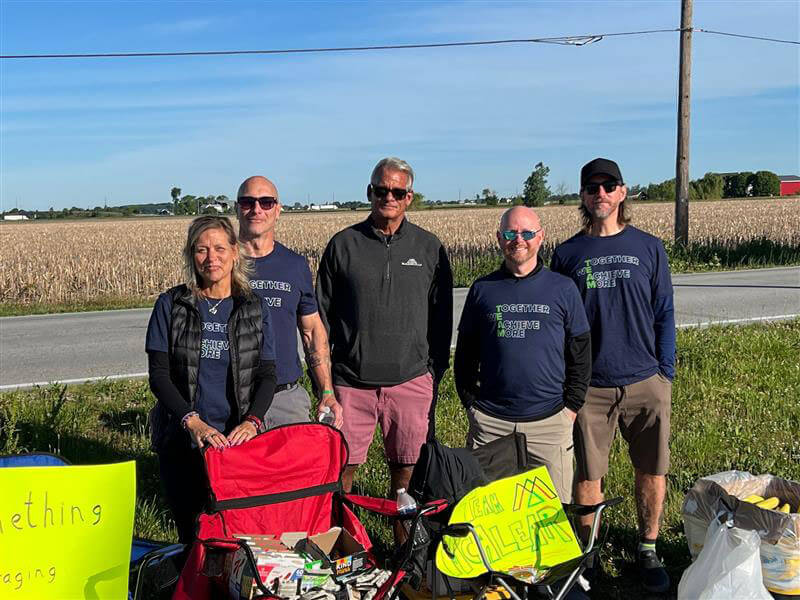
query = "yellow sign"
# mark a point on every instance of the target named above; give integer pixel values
(521, 525)
(65, 532)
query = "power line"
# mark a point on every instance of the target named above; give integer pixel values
(749, 37)
(570, 40)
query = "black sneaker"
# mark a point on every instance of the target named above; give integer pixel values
(651, 570)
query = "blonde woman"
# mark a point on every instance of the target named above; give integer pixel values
(211, 362)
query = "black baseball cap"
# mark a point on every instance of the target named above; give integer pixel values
(600, 166)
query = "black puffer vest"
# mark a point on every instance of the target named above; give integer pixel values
(185, 335)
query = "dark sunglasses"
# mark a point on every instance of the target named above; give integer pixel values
(512, 235)
(248, 202)
(608, 186)
(382, 192)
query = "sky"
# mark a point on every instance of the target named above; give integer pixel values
(119, 131)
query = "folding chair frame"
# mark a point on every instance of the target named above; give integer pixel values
(571, 569)
(152, 557)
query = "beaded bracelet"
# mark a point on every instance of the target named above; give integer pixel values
(187, 416)
(254, 420)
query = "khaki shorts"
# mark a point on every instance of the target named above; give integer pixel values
(642, 411)
(291, 405)
(548, 443)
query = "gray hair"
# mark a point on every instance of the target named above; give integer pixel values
(392, 163)
(242, 267)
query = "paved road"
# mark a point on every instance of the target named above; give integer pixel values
(80, 346)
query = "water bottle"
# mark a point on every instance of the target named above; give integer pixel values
(326, 416)
(407, 506)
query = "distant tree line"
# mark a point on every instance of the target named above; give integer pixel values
(536, 192)
(711, 186)
(194, 205)
(716, 186)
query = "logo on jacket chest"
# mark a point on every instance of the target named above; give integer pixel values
(411, 262)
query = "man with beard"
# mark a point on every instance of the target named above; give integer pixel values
(522, 359)
(622, 273)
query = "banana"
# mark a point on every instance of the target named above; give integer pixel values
(769, 503)
(755, 498)
(785, 508)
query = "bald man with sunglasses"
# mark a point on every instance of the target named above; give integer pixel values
(385, 292)
(522, 358)
(282, 279)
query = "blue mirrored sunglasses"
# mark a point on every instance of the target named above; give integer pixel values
(527, 235)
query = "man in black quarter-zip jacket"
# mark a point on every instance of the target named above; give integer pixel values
(385, 293)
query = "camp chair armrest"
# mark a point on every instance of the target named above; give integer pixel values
(596, 510)
(388, 507)
(463, 530)
(580, 510)
(433, 507)
(457, 530)
(382, 506)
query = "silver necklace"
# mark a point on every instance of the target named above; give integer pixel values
(213, 309)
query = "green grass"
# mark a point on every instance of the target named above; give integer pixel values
(735, 406)
(12, 309)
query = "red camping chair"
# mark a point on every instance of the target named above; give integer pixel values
(285, 480)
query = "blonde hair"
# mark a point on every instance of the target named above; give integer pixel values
(242, 266)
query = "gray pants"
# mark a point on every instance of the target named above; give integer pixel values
(549, 443)
(288, 406)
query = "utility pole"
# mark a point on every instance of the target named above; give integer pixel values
(682, 154)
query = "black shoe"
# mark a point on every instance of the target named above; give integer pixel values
(651, 570)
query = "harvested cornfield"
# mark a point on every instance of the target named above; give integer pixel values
(69, 262)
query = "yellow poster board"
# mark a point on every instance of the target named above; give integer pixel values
(65, 532)
(521, 524)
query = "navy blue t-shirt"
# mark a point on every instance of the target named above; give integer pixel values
(627, 291)
(522, 325)
(282, 280)
(215, 397)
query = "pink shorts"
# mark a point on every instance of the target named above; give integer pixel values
(402, 410)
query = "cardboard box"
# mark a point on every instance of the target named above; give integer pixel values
(277, 567)
(336, 546)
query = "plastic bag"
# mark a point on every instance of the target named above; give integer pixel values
(727, 567)
(779, 532)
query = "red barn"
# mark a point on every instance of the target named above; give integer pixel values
(790, 185)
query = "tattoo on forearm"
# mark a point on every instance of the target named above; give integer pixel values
(313, 359)
(316, 358)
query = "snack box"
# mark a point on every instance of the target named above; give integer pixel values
(278, 568)
(339, 549)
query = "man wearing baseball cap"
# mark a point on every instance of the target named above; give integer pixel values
(623, 276)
